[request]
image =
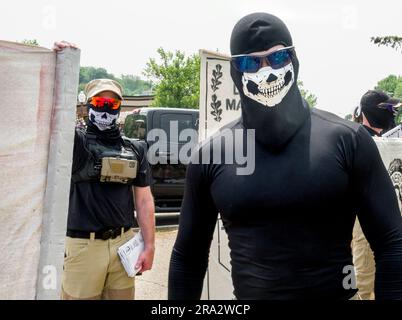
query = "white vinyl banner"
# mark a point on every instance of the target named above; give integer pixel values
(29, 128)
(219, 105)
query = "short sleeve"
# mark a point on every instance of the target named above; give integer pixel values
(143, 178)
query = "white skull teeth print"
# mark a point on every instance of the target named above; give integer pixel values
(273, 90)
(268, 86)
(103, 120)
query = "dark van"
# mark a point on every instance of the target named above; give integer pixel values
(168, 179)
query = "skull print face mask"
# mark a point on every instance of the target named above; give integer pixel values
(268, 86)
(271, 101)
(103, 120)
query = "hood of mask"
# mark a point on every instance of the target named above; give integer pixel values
(271, 101)
(379, 118)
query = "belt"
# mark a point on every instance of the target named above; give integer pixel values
(104, 235)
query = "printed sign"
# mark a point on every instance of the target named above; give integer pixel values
(219, 98)
(391, 154)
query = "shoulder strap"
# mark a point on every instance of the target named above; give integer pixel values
(87, 138)
(128, 144)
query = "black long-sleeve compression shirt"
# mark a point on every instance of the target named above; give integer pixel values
(290, 223)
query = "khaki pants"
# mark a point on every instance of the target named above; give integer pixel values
(363, 260)
(356, 297)
(92, 269)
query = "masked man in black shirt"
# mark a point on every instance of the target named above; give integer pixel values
(377, 111)
(109, 172)
(290, 222)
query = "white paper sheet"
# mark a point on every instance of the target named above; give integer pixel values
(130, 252)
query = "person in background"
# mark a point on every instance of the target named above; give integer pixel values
(377, 115)
(102, 197)
(378, 112)
(290, 221)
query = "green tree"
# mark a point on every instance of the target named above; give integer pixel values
(398, 90)
(30, 42)
(308, 96)
(394, 42)
(349, 117)
(89, 73)
(177, 79)
(392, 85)
(132, 85)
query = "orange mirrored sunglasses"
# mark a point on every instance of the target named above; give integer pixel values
(103, 102)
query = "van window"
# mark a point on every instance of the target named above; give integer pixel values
(135, 126)
(185, 121)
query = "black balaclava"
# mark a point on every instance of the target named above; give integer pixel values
(275, 114)
(377, 117)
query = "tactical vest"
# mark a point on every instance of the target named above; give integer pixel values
(118, 160)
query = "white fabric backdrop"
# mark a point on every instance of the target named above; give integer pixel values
(27, 91)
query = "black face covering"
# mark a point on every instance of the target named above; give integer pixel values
(276, 118)
(379, 118)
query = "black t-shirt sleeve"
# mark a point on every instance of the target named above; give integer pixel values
(198, 216)
(143, 178)
(379, 215)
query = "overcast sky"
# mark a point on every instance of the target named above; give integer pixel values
(338, 63)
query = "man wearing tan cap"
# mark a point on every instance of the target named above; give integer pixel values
(109, 172)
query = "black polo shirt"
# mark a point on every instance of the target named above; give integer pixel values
(94, 205)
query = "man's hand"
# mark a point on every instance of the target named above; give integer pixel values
(144, 204)
(60, 45)
(145, 260)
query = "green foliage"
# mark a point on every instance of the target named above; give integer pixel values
(398, 90)
(132, 85)
(308, 96)
(349, 117)
(177, 79)
(392, 85)
(89, 73)
(30, 42)
(398, 117)
(394, 42)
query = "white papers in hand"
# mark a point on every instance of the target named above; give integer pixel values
(130, 252)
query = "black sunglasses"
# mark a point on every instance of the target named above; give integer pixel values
(252, 63)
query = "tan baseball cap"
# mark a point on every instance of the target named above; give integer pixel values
(98, 85)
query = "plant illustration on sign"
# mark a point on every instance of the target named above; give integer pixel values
(216, 104)
(216, 108)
